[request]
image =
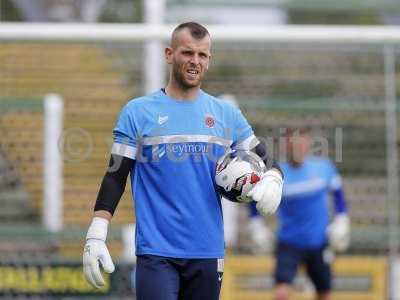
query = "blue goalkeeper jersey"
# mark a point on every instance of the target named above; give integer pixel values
(303, 214)
(176, 145)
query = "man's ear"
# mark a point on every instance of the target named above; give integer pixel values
(208, 64)
(168, 54)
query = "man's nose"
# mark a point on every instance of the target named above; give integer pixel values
(195, 59)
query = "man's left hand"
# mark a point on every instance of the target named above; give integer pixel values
(268, 192)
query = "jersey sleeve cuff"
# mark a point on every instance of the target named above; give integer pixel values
(247, 144)
(336, 183)
(124, 150)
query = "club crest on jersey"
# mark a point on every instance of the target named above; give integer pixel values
(210, 121)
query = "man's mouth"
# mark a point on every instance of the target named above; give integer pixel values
(193, 72)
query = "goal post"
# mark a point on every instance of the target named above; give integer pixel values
(290, 34)
(52, 210)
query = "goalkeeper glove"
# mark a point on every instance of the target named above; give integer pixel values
(96, 250)
(339, 232)
(261, 236)
(268, 192)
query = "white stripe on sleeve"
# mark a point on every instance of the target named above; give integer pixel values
(247, 144)
(124, 150)
(336, 182)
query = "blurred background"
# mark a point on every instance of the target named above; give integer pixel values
(61, 90)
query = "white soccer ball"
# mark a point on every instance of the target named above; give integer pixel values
(237, 172)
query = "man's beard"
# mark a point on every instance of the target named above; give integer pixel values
(180, 79)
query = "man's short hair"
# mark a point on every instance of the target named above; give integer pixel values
(196, 30)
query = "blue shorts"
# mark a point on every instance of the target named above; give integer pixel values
(289, 257)
(164, 278)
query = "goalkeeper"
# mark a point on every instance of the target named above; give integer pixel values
(169, 142)
(304, 232)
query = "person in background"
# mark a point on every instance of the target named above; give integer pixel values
(305, 233)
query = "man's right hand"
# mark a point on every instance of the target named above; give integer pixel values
(339, 232)
(261, 237)
(96, 251)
